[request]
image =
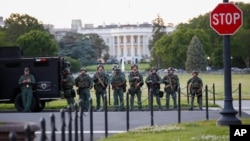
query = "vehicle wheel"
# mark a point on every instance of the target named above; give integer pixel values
(19, 103)
(39, 106)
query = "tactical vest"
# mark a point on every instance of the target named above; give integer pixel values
(134, 74)
(154, 78)
(69, 82)
(84, 81)
(195, 83)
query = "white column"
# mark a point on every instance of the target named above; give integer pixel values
(139, 46)
(118, 47)
(132, 48)
(124, 47)
(112, 39)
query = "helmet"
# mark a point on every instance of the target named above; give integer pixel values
(153, 68)
(100, 65)
(83, 69)
(115, 67)
(170, 69)
(67, 70)
(134, 65)
(26, 69)
(195, 71)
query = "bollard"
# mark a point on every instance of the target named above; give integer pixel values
(63, 124)
(179, 105)
(53, 128)
(43, 128)
(214, 93)
(151, 107)
(70, 124)
(27, 132)
(81, 121)
(206, 90)
(240, 99)
(127, 110)
(106, 115)
(91, 119)
(76, 122)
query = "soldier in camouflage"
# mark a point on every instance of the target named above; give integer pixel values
(135, 82)
(171, 82)
(118, 81)
(68, 83)
(101, 80)
(153, 82)
(84, 84)
(27, 81)
(195, 86)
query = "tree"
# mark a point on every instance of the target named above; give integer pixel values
(196, 57)
(37, 43)
(158, 32)
(17, 25)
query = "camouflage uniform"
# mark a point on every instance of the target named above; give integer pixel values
(84, 84)
(69, 92)
(171, 82)
(27, 81)
(195, 85)
(153, 82)
(118, 81)
(135, 82)
(101, 80)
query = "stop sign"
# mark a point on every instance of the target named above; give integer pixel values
(226, 18)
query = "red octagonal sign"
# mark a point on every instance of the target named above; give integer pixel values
(226, 18)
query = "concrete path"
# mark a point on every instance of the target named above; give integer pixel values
(245, 105)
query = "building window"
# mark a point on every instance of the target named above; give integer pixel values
(121, 51)
(141, 39)
(121, 39)
(135, 39)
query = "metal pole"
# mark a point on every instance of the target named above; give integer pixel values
(206, 90)
(228, 114)
(91, 119)
(106, 115)
(240, 99)
(214, 93)
(151, 107)
(179, 105)
(127, 111)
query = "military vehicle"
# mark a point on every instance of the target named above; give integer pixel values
(47, 72)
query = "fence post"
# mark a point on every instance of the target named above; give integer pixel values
(206, 90)
(76, 122)
(63, 124)
(127, 110)
(81, 121)
(109, 94)
(43, 128)
(91, 119)
(12, 136)
(214, 93)
(53, 128)
(179, 105)
(27, 132)
(70, 123)
(240, 99)
(151, 107)
(106, 115)
(187, 96)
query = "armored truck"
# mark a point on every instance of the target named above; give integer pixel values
(47, 72)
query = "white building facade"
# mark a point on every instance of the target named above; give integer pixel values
(126, 42)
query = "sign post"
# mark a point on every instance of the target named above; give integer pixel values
(226, 19)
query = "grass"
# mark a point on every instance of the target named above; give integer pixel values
(205, 130)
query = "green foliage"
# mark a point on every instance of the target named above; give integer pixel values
(17, 25)
(37, 43)
(196, 58)
(75, 64)
(87, 48)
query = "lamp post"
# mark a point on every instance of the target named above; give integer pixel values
(208, 63)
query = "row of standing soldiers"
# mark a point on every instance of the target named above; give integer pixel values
(101, 80)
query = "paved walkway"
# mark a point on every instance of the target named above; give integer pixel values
(245, 105)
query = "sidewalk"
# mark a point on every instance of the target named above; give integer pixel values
(245, 105)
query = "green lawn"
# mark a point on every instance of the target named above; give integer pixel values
(205, 130)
